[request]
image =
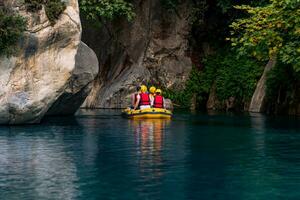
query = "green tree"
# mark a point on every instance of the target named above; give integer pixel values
(53, 8)
(234, 77)
(106, 10)
(273, 29)
(12, 27)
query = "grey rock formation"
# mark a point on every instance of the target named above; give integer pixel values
(86, 69)
(151, 49)
(258, 100)
(31, 81)
(168, 104)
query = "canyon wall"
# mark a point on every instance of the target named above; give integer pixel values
(150, 49)
(40, 71)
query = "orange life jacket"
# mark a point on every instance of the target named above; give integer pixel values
(158, 101)
(144, 100)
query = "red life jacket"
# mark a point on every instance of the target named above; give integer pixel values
(158, 101)
(144, 100)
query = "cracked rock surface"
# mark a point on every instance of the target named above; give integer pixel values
(32, 80)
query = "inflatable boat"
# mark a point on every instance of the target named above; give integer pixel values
(148, 113)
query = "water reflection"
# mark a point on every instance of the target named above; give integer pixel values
(149, 139)
(35, 164)
(258, 123)
(149, 135)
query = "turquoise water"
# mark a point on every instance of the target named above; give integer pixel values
(99, 155)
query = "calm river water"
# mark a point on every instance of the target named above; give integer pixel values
(99, 155)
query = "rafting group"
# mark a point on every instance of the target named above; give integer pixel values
(146, 104)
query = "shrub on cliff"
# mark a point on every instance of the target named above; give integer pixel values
(34, 5)
(12, 27)
(235, 77)
(232, 76)
(106, 10)
(53, 8)
(283, 84)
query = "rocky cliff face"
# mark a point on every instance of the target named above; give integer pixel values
(33, 80)
(80, 85)
(151, 49)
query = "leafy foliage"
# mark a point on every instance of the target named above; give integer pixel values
(193, 86)
(237, 78)
(197, 13)
(106, 9)
(234, 77)
(269, 30)
(225, 5)
(210, 21)
(228, 5)
(12, 27)
(281, 81)
(170, 4)
(34, 5)
(53, 8)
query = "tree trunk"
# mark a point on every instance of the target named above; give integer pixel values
(212, 101)
(258, 100)
(193, 102)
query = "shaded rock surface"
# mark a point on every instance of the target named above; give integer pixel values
(151, 49)
(32, 80)
(86, 69)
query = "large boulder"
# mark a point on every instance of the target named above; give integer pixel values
(33, 80)
(151, 49)
(86, 69)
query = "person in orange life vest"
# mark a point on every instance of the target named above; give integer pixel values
(133, 96)
(152, 94)
(142, 99)
(158, 100)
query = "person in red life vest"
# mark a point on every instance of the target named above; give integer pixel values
(142, 99)
(152, 94)
(158, 100)
(134, 95)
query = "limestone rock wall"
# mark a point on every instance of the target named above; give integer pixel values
(151, 49)
(33, 79)
(80, 85)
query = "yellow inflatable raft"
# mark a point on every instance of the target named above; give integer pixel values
(148, 113)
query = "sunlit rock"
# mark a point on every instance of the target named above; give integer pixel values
(31, 81)
(86, 69)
